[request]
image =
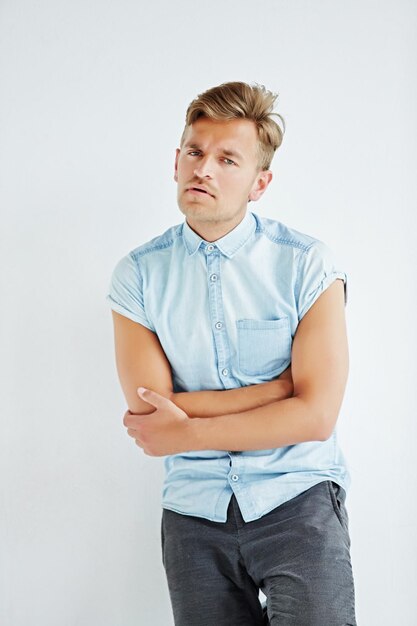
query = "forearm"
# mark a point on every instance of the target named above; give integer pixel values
(215, 403)
(282, 423)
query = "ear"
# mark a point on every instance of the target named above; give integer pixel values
(261, 183)
(177, 154)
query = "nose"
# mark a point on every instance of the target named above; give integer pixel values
(203, 168)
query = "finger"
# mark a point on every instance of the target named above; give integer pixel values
(128, 419)
(152, 397)
(136, 437)
(134, 420)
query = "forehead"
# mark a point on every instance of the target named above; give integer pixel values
(239, 134)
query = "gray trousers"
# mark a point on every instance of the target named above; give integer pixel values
(298, 555)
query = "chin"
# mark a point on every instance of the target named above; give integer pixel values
(196, 209)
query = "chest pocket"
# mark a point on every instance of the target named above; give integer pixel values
(264, 346)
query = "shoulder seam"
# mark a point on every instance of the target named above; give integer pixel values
(305, 252)
(292, 241)
(286, 242)
(167, 244)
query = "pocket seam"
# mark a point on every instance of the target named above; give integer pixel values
(254, 324)
(163, 539)
(335, 504)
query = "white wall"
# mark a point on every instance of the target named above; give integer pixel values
(92, 103)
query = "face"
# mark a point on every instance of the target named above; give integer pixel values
(217, 172)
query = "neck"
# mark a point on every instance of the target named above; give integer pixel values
(211, 231)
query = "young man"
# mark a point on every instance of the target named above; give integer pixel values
(232, 353)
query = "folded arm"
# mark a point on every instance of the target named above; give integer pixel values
(213, 403)
(141, 361)
(319, 370)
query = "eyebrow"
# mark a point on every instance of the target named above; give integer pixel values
(226, 151)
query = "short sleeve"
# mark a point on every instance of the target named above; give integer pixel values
(317, 270)
(126, 293)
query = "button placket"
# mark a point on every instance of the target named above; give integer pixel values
(213, 261)
(235, 469)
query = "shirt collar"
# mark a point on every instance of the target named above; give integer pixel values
(229, 244)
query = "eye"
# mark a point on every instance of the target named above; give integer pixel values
(228, 161)
(193, 152)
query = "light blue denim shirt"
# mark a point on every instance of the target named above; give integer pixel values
(225, 314)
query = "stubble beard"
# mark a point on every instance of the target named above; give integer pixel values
(207, 214)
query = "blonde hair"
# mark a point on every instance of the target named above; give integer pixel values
(237, 100)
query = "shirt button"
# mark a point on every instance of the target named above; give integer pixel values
(210, 248)
(225, 371)
(235, 478)
(213, 278)
(219, 325)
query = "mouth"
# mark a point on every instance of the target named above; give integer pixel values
(199, 191)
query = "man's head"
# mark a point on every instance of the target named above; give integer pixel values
(226, 150)
(238, 100)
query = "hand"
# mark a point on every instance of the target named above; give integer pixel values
(165, 431)
(279, 388)
(287, 377)
(286, 374)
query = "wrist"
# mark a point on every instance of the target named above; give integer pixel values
(271, 392)
(197, 434)
(283, 389)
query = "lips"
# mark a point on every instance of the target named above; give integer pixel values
(200, 190)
